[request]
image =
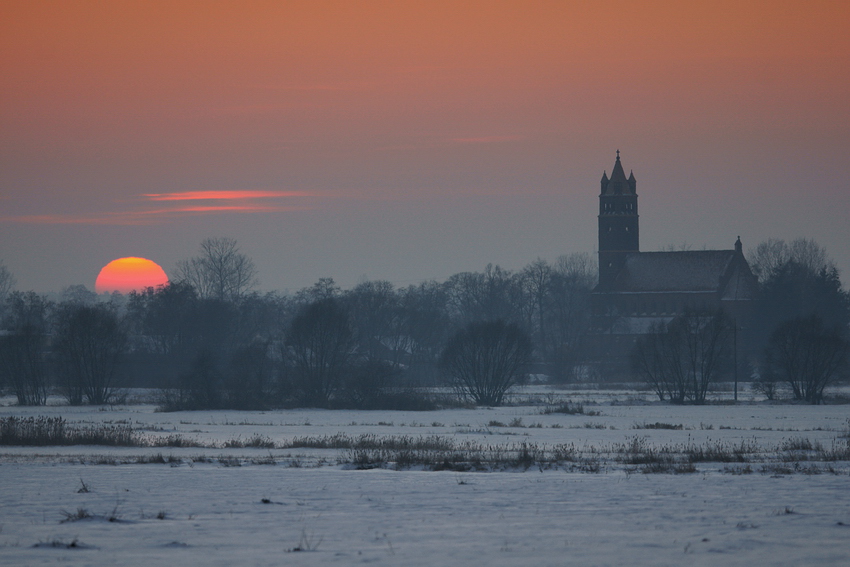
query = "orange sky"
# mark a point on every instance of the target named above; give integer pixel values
(352, 115)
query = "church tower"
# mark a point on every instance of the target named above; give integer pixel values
(618, 222)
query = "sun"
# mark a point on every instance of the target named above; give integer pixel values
(128, 274)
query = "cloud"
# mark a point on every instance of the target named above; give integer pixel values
(224, 195)
(206, 203)
(487, 139)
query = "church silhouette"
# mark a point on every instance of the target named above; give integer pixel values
(636, 289)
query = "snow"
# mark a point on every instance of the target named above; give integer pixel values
(263, 514)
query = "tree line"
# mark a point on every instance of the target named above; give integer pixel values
(209, 340)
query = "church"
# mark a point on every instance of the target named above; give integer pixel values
(636, 289)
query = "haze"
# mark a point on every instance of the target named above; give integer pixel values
(412, 140)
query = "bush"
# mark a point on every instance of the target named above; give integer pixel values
(806, 354)
(485, 359)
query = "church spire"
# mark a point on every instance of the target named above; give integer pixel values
(618, 184)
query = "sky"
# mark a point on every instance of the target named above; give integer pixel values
(408, 141)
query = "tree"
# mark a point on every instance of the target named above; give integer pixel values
(807, 355)
(684, 357)
(220, 272)
(795, 291)
(706, 338)
(772, 256)
(485, 359)
(325, 288)
(427, 323)
(320, 343)
(768, 257)
(90, 341)
(249, 382)
(7, 283)
(798, 290)
(165, 316)
(379, 322)
(79, 294)
(536, 281)
(485, 296)
(23, 349)
(198, 387)
(568, 313)
(556, 310)
(797, 281)
(656, 359)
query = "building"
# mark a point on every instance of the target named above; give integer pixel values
(637, 289)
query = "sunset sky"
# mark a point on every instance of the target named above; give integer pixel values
(412, 140)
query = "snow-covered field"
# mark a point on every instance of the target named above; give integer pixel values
(782, 504)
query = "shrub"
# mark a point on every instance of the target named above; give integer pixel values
(485, 359)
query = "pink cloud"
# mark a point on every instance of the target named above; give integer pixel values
(486, 139)
(210, 195)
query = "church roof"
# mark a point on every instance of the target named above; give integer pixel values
(685, 271)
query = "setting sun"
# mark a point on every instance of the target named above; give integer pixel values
(128, 274)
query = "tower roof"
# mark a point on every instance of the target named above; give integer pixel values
(618, 184)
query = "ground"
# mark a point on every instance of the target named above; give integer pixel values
(212, 505)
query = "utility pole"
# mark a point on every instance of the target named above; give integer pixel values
(735, 353)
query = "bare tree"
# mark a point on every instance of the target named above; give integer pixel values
(683, 358)
(7, 283)
(489, 295)
(656, 359)
(320, 344)
(807, 355)
(485, 359)
(325, 288)
(23, 349)
(568, 310)
(79, 294)
(221, 271)
(379, 322)
(770, 256)
(706, 337)
(536, 281)
(427, 324)
(90, 341)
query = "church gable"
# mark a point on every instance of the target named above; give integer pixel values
(739, 284)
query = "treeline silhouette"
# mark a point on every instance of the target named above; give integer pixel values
(217, 345)
(208, 340)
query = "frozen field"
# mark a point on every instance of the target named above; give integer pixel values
(633, 483)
